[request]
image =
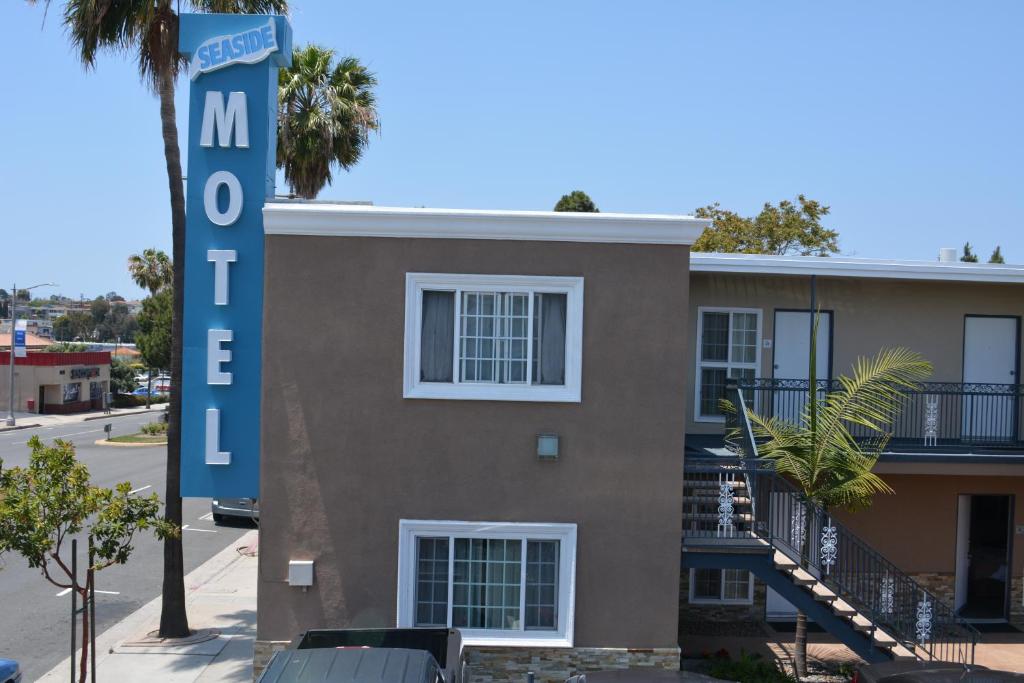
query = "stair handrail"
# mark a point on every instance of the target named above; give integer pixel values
(884, 603)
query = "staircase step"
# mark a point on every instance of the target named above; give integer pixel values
(822, 594)
(782, 561)
(861, 623)
(902, 654)
(843, 608)
(802, 578)
(713, 485)
(736, 517)
(713, 499)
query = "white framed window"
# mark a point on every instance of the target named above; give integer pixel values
(728, 347)
(493, 337)
(500, 583)
(721, 586)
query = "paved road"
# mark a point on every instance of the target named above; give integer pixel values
(34, 628)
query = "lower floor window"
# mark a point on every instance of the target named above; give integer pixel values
(721, 585)
(496, 580)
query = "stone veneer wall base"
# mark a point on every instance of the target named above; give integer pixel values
(555, 664)
(263, 650)
(511, 664)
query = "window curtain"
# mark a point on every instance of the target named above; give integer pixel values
(552, 338)
(437, 337)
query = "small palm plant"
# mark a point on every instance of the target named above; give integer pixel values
(820, 454)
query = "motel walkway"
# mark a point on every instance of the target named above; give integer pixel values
(1002, 651)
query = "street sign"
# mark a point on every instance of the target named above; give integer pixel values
(19, 339)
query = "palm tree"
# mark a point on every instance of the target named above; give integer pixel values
(149, 32)
(326, 116)
(821, 456)
(151, 270)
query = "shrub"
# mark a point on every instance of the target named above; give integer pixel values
(154, 428)
(749, 668)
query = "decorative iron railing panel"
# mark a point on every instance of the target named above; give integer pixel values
(936, 415)
(778, 514)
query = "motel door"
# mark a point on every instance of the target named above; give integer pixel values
(792, 356)
(990, 358)
(983, 559)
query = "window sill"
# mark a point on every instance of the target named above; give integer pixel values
(711, 419)
(513, 640)
(493, 392)
(709, 601)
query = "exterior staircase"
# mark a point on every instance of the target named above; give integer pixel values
(739, 514)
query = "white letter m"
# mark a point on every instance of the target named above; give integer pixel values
(233, 118)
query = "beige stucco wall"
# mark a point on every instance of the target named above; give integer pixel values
(28, 379)
(868, 314)
(345, 457)
(915, 527)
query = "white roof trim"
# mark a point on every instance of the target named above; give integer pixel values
(348, 220)
(841, 266)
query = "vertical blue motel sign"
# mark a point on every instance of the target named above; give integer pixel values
(232, 128)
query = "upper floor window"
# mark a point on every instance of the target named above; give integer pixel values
(493, 337)
(728, 347)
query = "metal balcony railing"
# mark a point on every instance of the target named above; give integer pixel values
(756, 504)
(936, 416)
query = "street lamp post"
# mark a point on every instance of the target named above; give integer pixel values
(14, 319)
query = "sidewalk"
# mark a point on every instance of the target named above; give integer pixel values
(221, 597)
(28, 420)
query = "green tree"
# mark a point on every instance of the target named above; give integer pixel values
(74, 325)
(149, 32)
(968, 256)
(151, 270)
(49, 501)
(66, 347)
(99, 308)
(997, 256)
(5, 308)
(154, 337)
(122, 377)
(789, 228)
(327, 112)
(578, 201)
(820, 455)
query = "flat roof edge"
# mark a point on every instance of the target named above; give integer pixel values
(759, 264)
(347, 220)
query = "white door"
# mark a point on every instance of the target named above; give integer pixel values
(792, 357)
(990, 357)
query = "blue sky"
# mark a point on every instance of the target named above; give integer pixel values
(905, 117)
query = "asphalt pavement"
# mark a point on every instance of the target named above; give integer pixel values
(35, 626)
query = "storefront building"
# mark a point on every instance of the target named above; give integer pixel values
(56, 383)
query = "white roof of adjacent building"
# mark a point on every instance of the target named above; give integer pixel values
(844, 266)
(297, 217)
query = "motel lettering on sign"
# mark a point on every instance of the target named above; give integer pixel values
(233, 60)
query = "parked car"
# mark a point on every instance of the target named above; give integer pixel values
(930, 672)
(240, 508)
(10, 672)
(353, 665)
(399, 655)
(141, 391)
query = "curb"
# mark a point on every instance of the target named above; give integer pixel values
(141, 411)
(127, 444)
(18, 427)
(149, 614)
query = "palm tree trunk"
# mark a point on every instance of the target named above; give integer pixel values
(800, 635)
(173, 618)
(800, 645)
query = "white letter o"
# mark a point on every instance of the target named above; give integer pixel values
(234, 198)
